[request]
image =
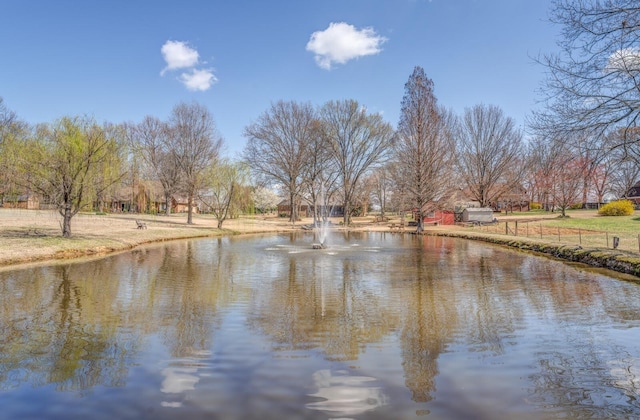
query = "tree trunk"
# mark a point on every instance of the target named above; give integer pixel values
(347, 213)
(190, 208)
(167, 204)
(66, 222)
(292, 204)
(420, 220)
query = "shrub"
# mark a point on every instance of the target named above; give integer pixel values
(576, 206)
(617, 208)
(535, 206)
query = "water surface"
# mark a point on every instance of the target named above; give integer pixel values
(376, 326)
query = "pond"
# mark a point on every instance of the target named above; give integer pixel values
(375, 326)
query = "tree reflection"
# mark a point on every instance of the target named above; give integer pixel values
(56, 331)
(317, 304)
(194, 286)
(428, 321)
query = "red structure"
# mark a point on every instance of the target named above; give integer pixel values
(439, 217)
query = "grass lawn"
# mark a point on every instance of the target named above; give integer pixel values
(582, 227)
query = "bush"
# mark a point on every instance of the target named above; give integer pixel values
(617, 208)
(535, 206)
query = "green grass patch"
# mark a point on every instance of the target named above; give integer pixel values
(628, 224)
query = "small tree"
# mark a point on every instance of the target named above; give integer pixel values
(264, 199)
(221, 186)
(69, 159)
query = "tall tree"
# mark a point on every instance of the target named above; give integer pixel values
(68, 160)
(319, 175)
(278, 146)
(424, 147)
(196, 144)
(593, 83)
(358, 142)
(490, 149)
(151, 140)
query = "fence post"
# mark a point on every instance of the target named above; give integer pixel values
(506, 228)
(559, 234)
(579, 236)
(607, 235)
(540, 230)
(516, 233)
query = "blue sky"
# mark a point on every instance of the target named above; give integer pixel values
(121, 60)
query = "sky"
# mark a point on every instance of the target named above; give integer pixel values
(121, 60)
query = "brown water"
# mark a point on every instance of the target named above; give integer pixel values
(377, 326)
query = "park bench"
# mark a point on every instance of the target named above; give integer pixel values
(141, 225)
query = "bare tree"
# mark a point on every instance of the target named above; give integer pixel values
(567, 175)
(196, 144)
(151, 140)
(593, 84)
(358, 142)
(319, 175)
(381, 187)
(278, 147)
(424, 148)
(490, 151)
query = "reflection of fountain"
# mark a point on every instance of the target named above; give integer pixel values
(299, 245)
(345, 395)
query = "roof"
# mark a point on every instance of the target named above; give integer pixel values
(478, 210)
(634, 191)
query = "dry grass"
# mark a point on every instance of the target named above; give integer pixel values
(30, 235)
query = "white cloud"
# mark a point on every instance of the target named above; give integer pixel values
(198, 79)
(626, 60)
(342, 42)
(178, 55)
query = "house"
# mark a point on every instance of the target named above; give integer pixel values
(633, 194)
(145, 197)
(305, 210)
(24, 201)
(180, 204)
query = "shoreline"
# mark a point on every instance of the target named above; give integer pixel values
(30, 236)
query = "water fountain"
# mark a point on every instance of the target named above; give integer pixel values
(322, 222)
(321, 230)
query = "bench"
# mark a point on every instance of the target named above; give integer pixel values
(141, 225)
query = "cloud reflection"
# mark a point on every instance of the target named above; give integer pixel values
(345, 395)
